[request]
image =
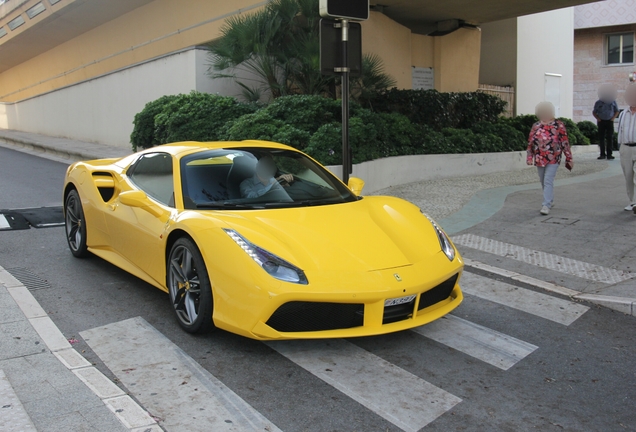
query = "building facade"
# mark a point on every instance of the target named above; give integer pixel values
(82, 68)
(604, 35)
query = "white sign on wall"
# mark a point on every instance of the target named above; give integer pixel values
(423, 78)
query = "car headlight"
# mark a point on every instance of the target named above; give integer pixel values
(444, 241)
(273, 265)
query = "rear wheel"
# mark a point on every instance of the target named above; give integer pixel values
(189, 287)
(75, 224)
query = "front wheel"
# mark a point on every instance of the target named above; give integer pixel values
(75, 225)
(189, 287)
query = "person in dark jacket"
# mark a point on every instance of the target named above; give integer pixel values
(605, 112)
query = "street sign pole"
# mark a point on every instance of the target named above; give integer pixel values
(346, 151)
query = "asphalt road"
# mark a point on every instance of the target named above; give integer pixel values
(580, 377)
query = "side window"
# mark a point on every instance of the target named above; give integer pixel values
(152, 173)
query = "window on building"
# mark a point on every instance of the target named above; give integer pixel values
(620, 48)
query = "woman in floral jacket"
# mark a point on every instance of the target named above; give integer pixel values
(547, 142)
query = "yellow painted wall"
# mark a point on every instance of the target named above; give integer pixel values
(165, 26)
(457, 61)
(110, 46)
(392, 42)
(422, 51)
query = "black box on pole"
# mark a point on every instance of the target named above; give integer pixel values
(331, 48)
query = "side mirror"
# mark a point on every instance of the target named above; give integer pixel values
(140, 200)
(134, 199)
(356, 185)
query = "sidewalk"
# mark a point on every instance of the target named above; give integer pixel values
(46, 385)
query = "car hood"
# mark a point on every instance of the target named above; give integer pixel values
(374, 233)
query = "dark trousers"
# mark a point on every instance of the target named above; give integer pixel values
(606, 137)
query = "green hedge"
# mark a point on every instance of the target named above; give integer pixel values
(440, 110)
(312, 124)
(590, 130)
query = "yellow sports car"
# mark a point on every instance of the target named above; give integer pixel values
(259, 239)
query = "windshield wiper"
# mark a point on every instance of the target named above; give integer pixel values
(225, 206)
(304, 203)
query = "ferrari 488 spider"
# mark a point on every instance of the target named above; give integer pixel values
(259, 239)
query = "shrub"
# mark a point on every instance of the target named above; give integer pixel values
(262, 126)
(326, 144)
(197, 117)
(304, 112)
(512, 139)
(143, 134)
(589, 130)
(574, 134)
(522, 123)
(440, 110)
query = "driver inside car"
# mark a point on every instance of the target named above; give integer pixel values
(264, 180)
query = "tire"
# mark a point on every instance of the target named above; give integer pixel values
(189, 287)
(75, 225)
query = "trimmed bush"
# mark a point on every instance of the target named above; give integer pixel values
(198, 117)
(143, 134)
(589, 130)
(305, 112)
(574, 134)
(440, 110)
(262, 126)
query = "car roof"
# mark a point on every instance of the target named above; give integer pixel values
(181, 149)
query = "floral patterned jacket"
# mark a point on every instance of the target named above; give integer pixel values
(547, 142)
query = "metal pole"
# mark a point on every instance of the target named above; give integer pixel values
(346, 153)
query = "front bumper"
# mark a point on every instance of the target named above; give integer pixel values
(329, 314)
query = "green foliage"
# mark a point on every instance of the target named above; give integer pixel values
(143, 134)
(307, 113)
(522, 123)
(262, 126)
(197, 117)
(439, 110)
(511, 138)
(589, 130)
(574, 134)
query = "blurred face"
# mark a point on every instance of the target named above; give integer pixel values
(607, 93)
(630, 95)
(545, 112)
(265, 168)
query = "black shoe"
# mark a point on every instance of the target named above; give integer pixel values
(611, 158)
(601, 157)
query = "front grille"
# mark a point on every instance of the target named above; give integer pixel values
(398, 312)
(299, 316)
(439, 293)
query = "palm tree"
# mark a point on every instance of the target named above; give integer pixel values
(279, 48)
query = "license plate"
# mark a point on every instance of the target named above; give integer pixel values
(399, 301)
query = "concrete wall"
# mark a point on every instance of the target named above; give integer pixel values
(394, 171)
(156, 29)
(545, 46)
(101, 110)
(590, 69)
(457, 61)
(498, 64)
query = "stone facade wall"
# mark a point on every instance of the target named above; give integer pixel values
(590, 70)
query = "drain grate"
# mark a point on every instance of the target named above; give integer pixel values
(28, 278)
(560, 221)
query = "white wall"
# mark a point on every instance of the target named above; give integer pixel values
(101, 110)
(545, 44)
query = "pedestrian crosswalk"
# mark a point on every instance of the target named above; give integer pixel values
(185, 396)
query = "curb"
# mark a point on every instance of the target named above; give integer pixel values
(129, 412)
(625, 305)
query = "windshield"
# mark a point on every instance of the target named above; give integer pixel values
(256, 178)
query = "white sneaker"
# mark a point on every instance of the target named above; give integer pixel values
(545, 210)
(630, 207)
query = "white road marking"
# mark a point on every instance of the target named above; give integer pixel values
(545, 260)
(542, 305)
(13, 416)
(168, 382)
(402, 398)
(521, 278)
(129, 412)
(485, 344)
(4, 224)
